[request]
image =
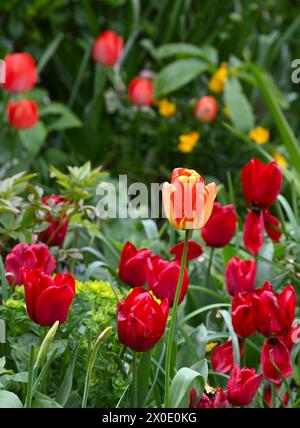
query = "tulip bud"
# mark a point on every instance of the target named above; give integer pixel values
(254, 231)
(20, 72)
(240, 275)
(222, 357)
(275, 356)
(56, 232)
(206, 109)
(133, 265)
(108, 48)
(242, 314)
(22, 114)
(46, 344)
(140, 91)
(221, 226)
(272, 224)
(242, 386)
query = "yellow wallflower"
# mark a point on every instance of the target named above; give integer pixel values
(218, 79)
(260, 135)
(210, 346)
(166, 108)
(187, 142)
(280, 159)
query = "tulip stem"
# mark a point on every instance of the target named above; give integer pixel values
(211, 256)
(134, 380)
(188, 234)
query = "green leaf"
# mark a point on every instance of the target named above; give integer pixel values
(143, 377)
(9, 400)
(208, 53)
(45, 402)
(176, 75)
(49, 51)
(240, 110)
(235, 341)
(34, 138)
(65, 389)
(66, 119)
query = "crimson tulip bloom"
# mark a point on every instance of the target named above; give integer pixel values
(261, 183)
(194, 250)
(206, 109)
(108, 48)
(22, 114)
(240, 275)
(215, 399)
(140, 91)
(55, 234)
(291, 338)
(274, 314)
(242, 386)
(242, 314)
(20, 72)
(35, 256)
(275, 353)
(221, 226)
(133, 265)
(222, 357)
(162, 279)
(254, 231)
(48, 299)
(272, 222)
(141, 320)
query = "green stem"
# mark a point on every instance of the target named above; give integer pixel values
(188, 234)
(273, 395)
(135, 380)
(211, 255)
(31, 379)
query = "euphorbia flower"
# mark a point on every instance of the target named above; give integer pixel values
(20, 72)
(274, 314)
(140, 91)
(47, 299)
(35, 256)
(254, 231)
(242, 386)
(141, 320)
(221, 226)
(275, 354)
(22, 114)
(222, 357)
(194, 250)
(261, 183)
(55, 234)
(206, 109)
(187, 201)
(242, 314)
(162, 279)
(108, 48)
(212, 398)
(240, 275)
(133, 265)
(272, 224)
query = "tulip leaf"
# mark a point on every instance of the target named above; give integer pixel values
(143, 376)
(33, 138)
(234, 338)
(176, 75)
(207, 53)
(65, 389)
(9, 400)
(64, 117)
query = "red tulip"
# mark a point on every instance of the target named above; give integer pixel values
(22, 114)
(272, 222)
(133, 265)
(140, 91)
(221, 226)
(240, 275)
(48, 299)
(206, 109)
(242, 314)
(162, 279)
(194, 250)
(35, 256)
(20, 72)
(108, 48)
(141, 320)
(55, 234)
(275, 353)
(274, 314)
(261, 183)
(242, 386)
(268, 396)
(216, 399)
(291, 338)
(222, 357)
(254, 231)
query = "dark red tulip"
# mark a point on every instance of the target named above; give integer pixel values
(22, 114)
(242, 386)
(222, 357)
(55, 234)
(268, 396)
(240, 275)
(206, 109)
(272, 224)
(34, 256)
(194, 250)
(291, 338)
(48, 299)
(274, 314)
(242, 314)
(275, 353)
(20, 72)
(141, 320)
(162, 279)
(254, 231)
(221, 226)
(133, 265)
(108, 48)
(216, 399)
(261, 183)
(140, 91)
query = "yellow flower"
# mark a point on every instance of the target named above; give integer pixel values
(218, 79)
(210, 346)
(260, 135)
(14, 304)
(166, 108)
(187, 142)
(280, 159)
(97, 287)
(226, 111)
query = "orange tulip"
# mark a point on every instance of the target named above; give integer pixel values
(187, 201)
